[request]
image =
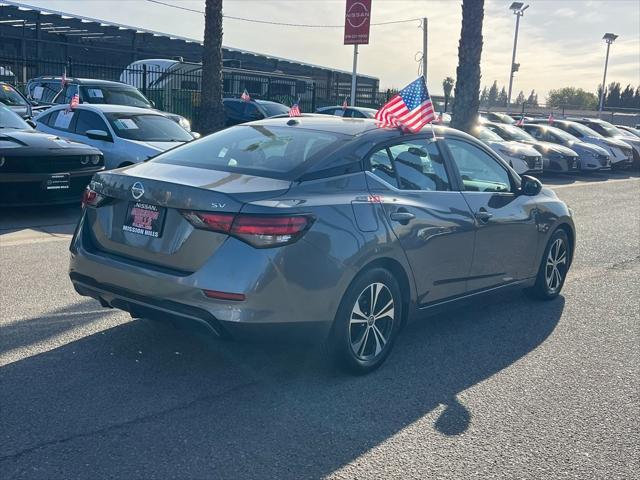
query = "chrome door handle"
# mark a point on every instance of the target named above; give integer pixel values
(483, 216)
(402, 217)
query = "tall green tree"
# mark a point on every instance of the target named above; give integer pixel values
(447, 86)
(492, 97)
(571, 96)
(502, 97)
(626, 97)
(520, 98)
(613, 95)
(211, 110)
(465, 108)
(484, 96)
(532, 100)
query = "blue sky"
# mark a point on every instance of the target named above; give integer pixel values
(560, 42)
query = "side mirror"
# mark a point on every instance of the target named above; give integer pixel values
(31, 123)
(99, 135)
(530, 186)
(195, 135)
(153, 104)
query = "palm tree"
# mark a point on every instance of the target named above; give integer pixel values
(447, 86)
(211, 116)
(465, 108)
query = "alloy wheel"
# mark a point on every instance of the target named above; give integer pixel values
(371, 321)
(556, 265)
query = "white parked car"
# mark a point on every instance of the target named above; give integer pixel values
(521, 157)
(125, 135)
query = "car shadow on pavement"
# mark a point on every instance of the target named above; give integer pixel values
(551, 179)
(145, 400)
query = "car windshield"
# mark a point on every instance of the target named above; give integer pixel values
(114, 95)
(515, 133)
(486, 135)
(368, 112)
(268, 151)
(272, 109)
(147, 127)
(611, 130)
(10, 119)
(585, 130)
(567, 137)
(9, 96)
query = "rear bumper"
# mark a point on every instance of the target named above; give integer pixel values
(278, 295)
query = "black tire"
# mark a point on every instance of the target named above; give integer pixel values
(362, 345)
(543, 288)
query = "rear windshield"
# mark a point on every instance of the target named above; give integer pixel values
(147, 128)
(278, 152)
(10, 97)
(273, 109)
(114, 95)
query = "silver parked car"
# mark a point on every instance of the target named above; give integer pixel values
(521, 157)
(591, 157)
(125, 135)
(608, 130)
(320, 224)
(555, 158)
(621, 153)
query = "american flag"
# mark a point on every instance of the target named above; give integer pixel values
(345, 104)
(551, 119)
(294, 111)
(75, 101)
(63, 80)
(410, 109)
(245, 96)
(520, 122)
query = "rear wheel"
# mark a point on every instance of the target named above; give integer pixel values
(553, 268)
(367, 322)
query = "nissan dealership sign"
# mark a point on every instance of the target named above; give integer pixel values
(356, 22)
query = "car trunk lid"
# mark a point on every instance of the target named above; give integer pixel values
(141, 217)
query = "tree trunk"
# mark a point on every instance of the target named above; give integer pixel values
(211, 117)
(467, 90)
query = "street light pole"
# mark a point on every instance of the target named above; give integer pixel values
(609, 38)
(518, 9)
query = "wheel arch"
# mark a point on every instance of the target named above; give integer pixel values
(400, 274)
(571, 236)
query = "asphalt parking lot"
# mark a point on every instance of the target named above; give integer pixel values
(510, 389)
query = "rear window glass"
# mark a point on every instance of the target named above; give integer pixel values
(278, 152)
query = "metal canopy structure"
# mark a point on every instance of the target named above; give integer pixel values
(37, 33)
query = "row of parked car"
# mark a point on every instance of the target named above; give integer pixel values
(115, 125)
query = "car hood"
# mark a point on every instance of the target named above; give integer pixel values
(589, 148)
(515, 148)
(547, 147)
(42, 141)
(611, 142)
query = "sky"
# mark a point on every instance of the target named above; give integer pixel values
(560, 41)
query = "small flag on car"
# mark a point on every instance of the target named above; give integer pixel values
(551, 119)
(520, 122)
(63, 79)
(345, 104)
(410, 109)
(294, 111)
(245, 96)
(75, 101)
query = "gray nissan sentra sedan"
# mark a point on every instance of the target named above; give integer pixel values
(318, 224)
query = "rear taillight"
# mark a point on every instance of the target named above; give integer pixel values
(261, 231)
(91, 198)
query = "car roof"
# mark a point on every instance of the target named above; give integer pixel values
(109, 108)
(332, 107)
(83, 81)
(349, 126)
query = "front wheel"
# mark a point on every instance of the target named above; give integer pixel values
(553, 268)
(367, 322)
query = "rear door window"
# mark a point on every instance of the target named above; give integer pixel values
(62, 120)
(89, 121)
(411, 165)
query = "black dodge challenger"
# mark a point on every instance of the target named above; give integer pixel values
(38, 168)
